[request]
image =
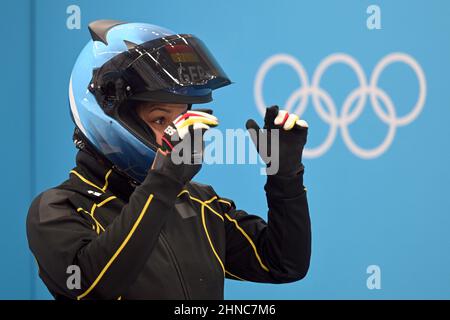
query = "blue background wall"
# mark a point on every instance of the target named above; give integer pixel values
(392, 211)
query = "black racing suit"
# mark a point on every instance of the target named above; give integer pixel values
(163, 240)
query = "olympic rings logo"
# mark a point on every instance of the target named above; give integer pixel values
(298, 100)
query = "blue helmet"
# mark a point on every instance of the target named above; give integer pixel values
(123, 64)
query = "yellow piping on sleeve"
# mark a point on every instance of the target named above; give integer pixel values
(224, 201)
(249, 240)
(203, 205)
(209, 239)
(245, 235)
(119, 250)
(106, 201)
(233, 275)
(206, 202)
(106, 180)
(103, 189)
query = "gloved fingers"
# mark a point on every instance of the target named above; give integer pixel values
(302, 123)
(195, 114)
(200, 125)
(281, 118)
(271, 114)
(192, 121)
(190, 118)
(251, 124)
(253, 128)
(286, 120)
(182, 132)
(290, 122)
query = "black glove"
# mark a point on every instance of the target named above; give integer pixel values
(292, 138)
(181, 152)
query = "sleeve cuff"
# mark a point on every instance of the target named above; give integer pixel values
(284, 187)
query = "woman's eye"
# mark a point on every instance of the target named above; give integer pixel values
(160, 121)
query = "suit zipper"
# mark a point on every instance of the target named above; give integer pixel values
(175, 263)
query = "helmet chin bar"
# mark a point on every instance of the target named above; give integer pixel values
(83, 144)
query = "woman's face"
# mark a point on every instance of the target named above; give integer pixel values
(159, 115)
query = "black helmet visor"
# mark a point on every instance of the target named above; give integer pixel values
(173, 63)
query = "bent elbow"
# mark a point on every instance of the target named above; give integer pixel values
(290, 275)
(301, 274)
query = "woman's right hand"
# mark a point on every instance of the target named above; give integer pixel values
(181, 153)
